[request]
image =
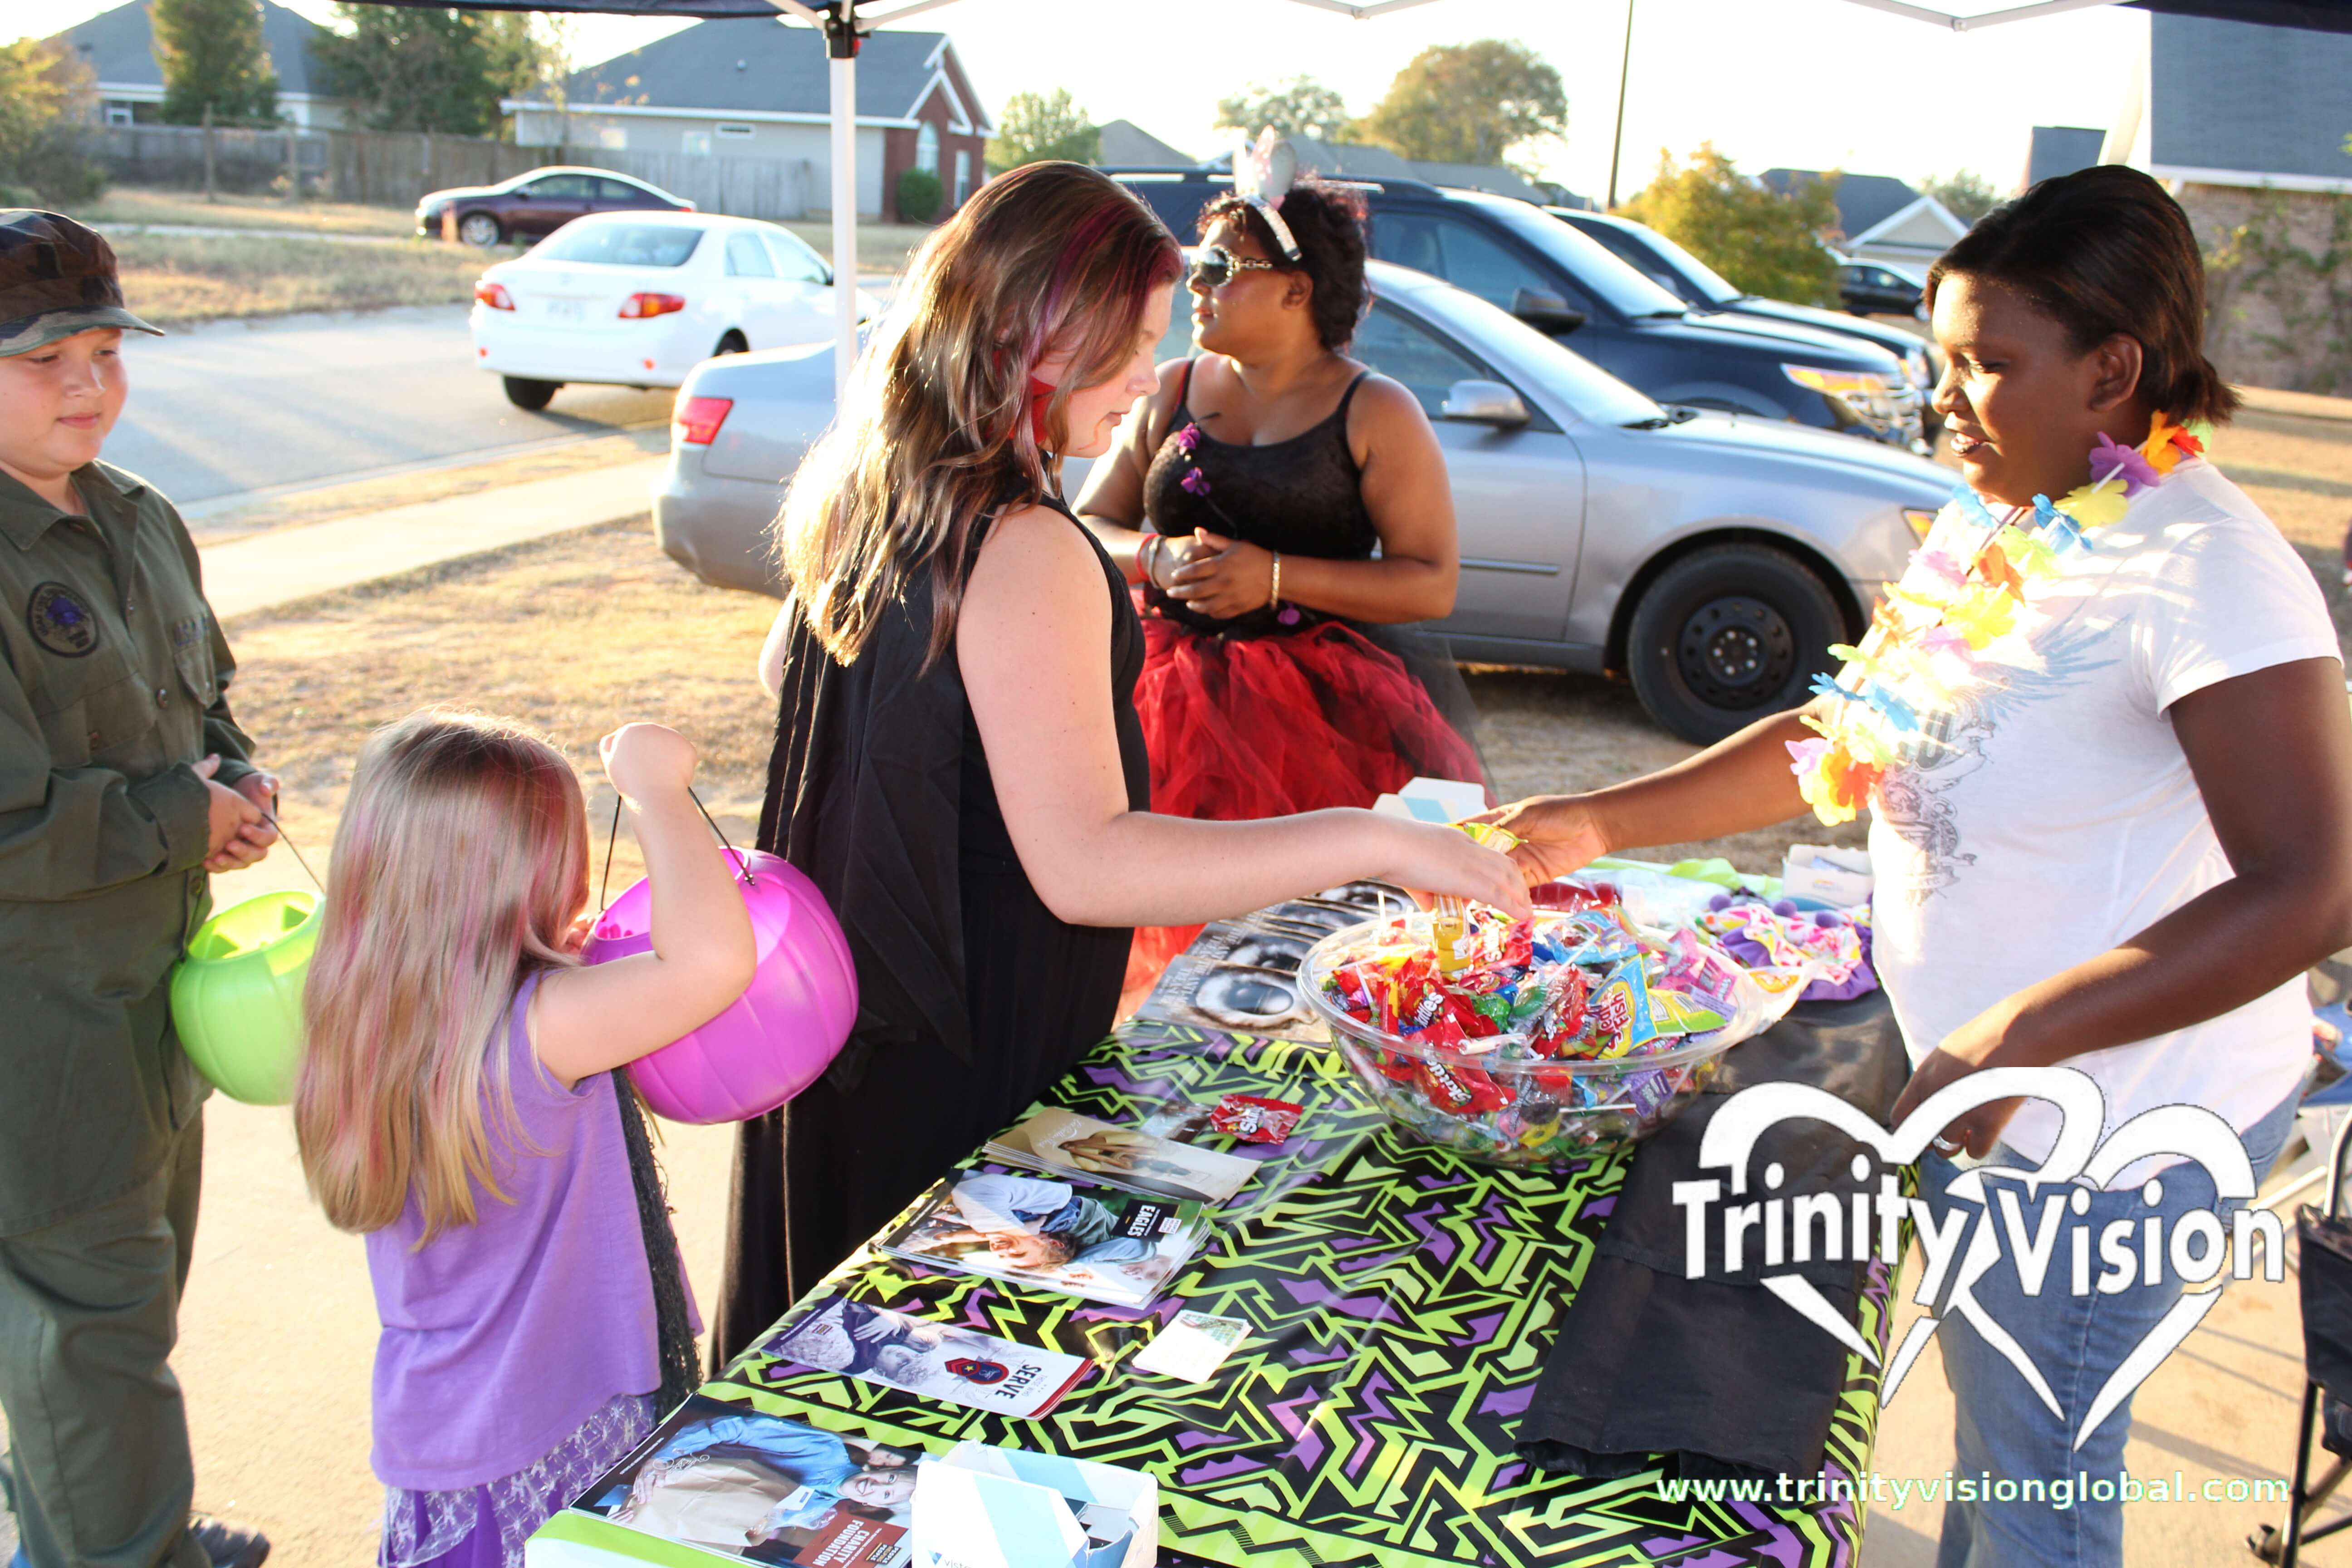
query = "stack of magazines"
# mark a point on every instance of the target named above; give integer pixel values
(938, 1361)
(1064, 1143)
(1064, 1234)
(1241, 977)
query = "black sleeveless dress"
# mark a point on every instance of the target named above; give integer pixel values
(1283, 708)
(973, 996)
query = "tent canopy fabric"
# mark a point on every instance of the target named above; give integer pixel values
(2320, 16)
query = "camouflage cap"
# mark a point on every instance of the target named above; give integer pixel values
(57, 278)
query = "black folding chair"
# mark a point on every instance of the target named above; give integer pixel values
(2325, 1240)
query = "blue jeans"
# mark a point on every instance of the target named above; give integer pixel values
(2000, 1425)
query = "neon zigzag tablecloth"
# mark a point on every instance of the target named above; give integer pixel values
(1402, 1301)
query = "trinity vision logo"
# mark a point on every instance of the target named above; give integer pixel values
(2031, 1220)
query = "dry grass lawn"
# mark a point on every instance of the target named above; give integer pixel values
(127, 204)
(173, 279)
(579, 633)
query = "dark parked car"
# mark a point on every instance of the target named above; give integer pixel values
(1514, 255)
(532, 205)
(1708, 292)
(1874, 288)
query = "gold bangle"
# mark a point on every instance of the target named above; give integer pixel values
(1274, 591)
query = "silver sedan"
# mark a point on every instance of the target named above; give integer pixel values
(1711, 558)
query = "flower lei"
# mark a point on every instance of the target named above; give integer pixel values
(1917, 634)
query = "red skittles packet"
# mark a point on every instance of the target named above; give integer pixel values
(1256, 1118)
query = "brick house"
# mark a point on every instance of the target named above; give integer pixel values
(2247, 125)
(757, 88)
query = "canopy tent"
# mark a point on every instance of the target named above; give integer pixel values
(844, 26)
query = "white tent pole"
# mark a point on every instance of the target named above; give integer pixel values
(840, 39)
(838, 22)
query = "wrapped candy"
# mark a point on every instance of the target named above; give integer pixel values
(1543, 1038)
(1254, 1119)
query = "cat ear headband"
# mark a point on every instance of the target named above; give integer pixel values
(1262, 177)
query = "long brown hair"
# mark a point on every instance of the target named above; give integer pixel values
(460, 864)
(934, 430)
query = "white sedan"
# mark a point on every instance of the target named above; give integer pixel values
(638, 298)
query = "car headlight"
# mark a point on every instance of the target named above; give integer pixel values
(1868, 394)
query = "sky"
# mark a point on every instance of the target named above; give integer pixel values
(1801, 83)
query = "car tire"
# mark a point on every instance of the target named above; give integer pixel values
(480, 230)
(1728, 635)
(533, 395)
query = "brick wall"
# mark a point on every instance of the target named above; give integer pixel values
(2279, 270)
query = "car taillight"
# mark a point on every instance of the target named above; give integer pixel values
(638, 306)
(698, 419)
(494, 295)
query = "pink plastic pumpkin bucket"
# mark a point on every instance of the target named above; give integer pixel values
(781, 1033)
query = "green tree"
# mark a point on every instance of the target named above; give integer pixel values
(424, 70)
(213, 57)
(1967, 194)
(44, 93)
(1036, 127)
(1469, 103)
(1299, 107)
(1764, 242)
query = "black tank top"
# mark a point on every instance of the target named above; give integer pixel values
(1300, 497)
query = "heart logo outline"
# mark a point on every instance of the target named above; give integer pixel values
(2193, 1132)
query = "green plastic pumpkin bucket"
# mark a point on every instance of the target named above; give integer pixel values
(237, 998)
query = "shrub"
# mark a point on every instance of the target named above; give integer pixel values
(919, 195)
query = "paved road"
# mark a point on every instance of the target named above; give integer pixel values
(228, 408)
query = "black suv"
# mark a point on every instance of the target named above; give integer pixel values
(1567, 285)
(1708, 292)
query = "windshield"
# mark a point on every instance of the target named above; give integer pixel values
(1494, 333)
(1717, 289)
(1586, 261)
(623, 244)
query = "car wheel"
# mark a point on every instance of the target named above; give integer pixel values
(732, 343)
(1728, 635)
(479, 230)
(533, 395)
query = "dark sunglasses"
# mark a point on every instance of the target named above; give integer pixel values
(1213, 265)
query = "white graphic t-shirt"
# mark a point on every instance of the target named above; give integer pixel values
(2048, 814)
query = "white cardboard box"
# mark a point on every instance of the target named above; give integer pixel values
(983, 1507)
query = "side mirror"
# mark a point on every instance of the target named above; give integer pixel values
(1484, 403)
(1547, 312)
(519, 194)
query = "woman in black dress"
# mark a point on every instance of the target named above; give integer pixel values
(958, 763)
(1299, 518)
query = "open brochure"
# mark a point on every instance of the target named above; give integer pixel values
(938, 1361)
(1241, 977)
(1062, 1234)
(729, 1481)
(1065, 1143)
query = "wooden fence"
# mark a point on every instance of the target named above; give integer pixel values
(395, 168)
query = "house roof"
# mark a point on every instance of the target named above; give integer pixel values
(121, 48)
(1925, 227)
(2234, 97)
(1126, 145)
(1864, 201)
(762, 65)
(2061, 149)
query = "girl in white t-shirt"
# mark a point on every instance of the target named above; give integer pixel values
(2104, 745)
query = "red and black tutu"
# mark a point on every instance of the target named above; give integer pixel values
(1243, 728)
